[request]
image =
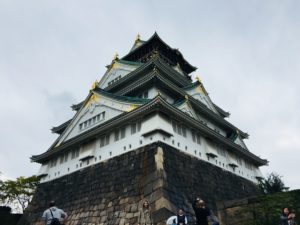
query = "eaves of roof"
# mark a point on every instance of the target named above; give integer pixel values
(156, 63)
(157, 104)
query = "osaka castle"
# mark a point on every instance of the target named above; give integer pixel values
(146, 130)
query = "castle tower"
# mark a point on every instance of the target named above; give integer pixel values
(145, 130)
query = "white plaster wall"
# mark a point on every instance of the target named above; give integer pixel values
(132, 142)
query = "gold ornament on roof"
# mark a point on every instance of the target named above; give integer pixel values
(94, 85)
(138, 36)
(198, 79)
(116, 56)
(186, 97)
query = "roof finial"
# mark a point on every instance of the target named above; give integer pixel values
(186, 97)
(198, 79)
(94, 84)
(138, 36)
(116, 56)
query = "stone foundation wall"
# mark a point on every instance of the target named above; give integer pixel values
(111, 192)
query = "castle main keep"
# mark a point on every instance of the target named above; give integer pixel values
(146, 130)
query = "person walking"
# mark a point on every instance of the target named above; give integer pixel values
(145, 217)
(54, 215)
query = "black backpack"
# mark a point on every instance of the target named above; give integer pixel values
(54, 221)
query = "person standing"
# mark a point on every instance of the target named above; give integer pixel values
(144, 217)
(54, 214)
(202, 213)
(287, 217)
(180, 218)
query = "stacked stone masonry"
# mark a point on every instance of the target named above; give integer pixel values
(111, 192)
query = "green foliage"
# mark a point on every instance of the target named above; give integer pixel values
(19, 191)
(272, 184)
(266, 210)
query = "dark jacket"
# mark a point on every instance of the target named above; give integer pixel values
(201, 214)
(285, 221)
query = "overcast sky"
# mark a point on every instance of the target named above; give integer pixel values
(247, 54)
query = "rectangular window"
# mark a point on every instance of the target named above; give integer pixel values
(80, 126)
(107, 139)
(139, 124)
(133, 128)
(102, 141)
(53, 162)
(66, 157)
(239, 160)
(123, 132)
(183, 131)
(193, 136)
(61, 159)
(75, 154)
(116, 135)
(174, 126)
(198, 139)
(179, 129)
(102, 116)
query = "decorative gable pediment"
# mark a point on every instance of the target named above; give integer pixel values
(186, 107)
(117, 70)
(96, 110)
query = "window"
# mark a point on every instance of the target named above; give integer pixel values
(143, 95)
(116, 135)
(248, 165)
(220, 151)
(239, 160)
(92, 121)
(75, 154)
(133, 128)
(61, 159)
(178, 128)
(196, 137)
(193, 136)
(183, 131)
(174, 126)
(53, 163)
(66, 157)
(123, 132)
(104, 140)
